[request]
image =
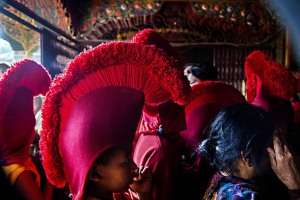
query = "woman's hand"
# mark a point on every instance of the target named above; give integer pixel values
(284, 162)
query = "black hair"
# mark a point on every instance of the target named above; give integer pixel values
(105, 157)
(204, 71)
(240, 127)
(4, 66)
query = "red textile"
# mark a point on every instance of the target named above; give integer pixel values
(20, 83)
(170, 117)
(98, 121)
(163, 156)
(69, 128)
(207, 99)
(271, 86)
(159, 146)
(151, 37)
(277, 80)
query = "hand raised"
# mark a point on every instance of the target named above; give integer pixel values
(284, 162)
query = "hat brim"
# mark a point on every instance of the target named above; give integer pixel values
(25, 73)
(277, 80)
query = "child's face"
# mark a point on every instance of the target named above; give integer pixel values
(118, 173)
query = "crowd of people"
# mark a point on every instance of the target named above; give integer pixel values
(128, 120)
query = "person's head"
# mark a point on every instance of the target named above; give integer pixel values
(22, 82)
(95, 105)
(197, 72)
(168, 117)
(37, 103)
(238, 140)
(3, 68)
(113, 171)
(270, 86)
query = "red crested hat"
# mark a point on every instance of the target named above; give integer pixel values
(271, 86)
(151, 37)
(170, 116)
(214, 92)
(19, 84)
(96, 104)
(276, 80)
(207, 99)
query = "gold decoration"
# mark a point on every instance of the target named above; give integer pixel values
(28, 38)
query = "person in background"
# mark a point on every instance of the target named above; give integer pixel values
(240, 146)
(186, 70)
(209, 95)
(18, 86)
(271, 86)
(37, 107)
(3, 68)
(93, 109)
(38, 102)
(158, 142)
(197, 72)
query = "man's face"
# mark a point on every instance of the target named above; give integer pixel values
(191, 78)
(186, 71)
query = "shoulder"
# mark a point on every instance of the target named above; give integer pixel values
(237, 189)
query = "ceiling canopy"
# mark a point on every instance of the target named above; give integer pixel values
(239, 21)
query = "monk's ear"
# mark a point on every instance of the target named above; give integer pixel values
(95, 172)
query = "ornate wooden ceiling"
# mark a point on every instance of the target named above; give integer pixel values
(241, 22)
(235, 21)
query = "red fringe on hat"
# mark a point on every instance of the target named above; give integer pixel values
(277, 80)
(151, 37)
(138, 66)
(214, 92)
(25, 73)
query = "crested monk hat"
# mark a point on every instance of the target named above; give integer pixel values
(96, 104)
(18, 86)
(170, 116)
(152, 37)
(271, 86)
(277, 81)
(207, 99)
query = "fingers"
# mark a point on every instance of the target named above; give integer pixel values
(280, 140)
(272, 157)
(278, 145)
(280, 148)
(277, 149)
(143, 172)
(146, 172)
